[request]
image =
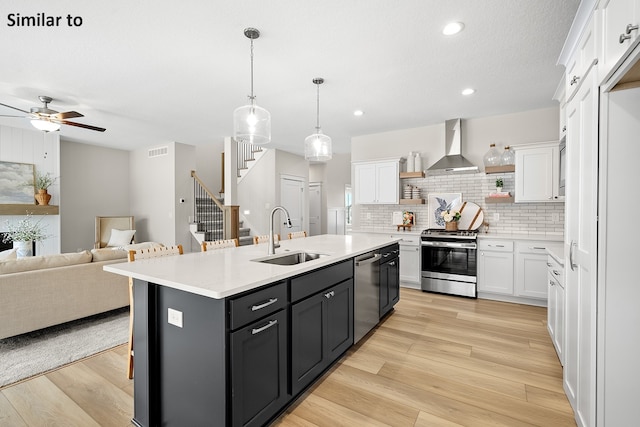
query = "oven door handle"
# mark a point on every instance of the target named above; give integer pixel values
(450, 245)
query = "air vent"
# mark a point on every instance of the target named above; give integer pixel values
(157, 152)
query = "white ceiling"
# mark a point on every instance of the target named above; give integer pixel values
(153, 71)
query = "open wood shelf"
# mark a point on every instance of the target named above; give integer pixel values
(499, 169)
(19, 209)
(412, 174)
(499, 199)
(412, 201)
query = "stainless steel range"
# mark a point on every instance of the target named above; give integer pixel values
(449, 262)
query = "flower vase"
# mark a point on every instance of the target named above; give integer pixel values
(43, 197)
(23, 248)
(499, 189)
(451, 226)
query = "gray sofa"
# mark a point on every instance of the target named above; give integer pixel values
(42, 291)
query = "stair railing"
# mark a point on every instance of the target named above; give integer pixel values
(207, 209)
(245, 154)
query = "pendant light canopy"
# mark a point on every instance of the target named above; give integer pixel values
(317, 147)
(252, 124)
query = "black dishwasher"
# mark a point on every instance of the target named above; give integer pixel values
(389, 278)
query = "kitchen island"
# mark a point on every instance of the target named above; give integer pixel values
(223, 339)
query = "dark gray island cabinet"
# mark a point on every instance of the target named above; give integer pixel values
(240, 360)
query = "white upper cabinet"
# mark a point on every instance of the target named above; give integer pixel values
(537, 172)
(581, 61)
(377, 182)
(621, 29)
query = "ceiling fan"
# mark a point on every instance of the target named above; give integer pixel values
(48, 120)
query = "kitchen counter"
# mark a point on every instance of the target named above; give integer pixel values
(225, 272)
(390, 230)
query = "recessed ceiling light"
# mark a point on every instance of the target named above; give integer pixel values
(468, 91)
(452, 28)
(358, 113)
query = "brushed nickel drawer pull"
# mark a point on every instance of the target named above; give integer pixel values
(263, 305)
(263, 328)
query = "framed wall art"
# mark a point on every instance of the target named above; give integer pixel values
(17, 183)
(438, 202)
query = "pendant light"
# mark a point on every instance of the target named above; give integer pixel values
(317, 147)
(252, 124)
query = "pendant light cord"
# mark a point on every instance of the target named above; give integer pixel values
(251, 97)
(318, 108)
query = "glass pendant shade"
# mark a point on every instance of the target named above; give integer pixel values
(45, 125)
(252, 124)
(317, 147)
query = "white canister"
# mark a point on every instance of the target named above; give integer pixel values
(417, 164)
(410, 162)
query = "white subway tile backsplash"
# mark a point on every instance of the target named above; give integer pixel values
(523, 218)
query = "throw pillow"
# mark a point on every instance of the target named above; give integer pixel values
(9, 254)
(121, 237)
(108, 254)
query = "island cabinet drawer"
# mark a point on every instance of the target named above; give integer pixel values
(314, 282)
(495, 245)
(248, 308)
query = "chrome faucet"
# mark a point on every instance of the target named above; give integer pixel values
(272, 246)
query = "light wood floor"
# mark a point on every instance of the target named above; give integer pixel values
(436, 361)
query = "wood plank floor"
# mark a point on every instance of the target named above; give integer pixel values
(436, 361)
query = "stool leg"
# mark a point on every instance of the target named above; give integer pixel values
(130, 348)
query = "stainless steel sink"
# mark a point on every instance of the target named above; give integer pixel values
(290, 258)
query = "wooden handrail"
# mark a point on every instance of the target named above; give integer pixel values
(204, 187)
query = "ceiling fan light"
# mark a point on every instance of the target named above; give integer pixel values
(252, 125)
(45, 125)
(317, 147)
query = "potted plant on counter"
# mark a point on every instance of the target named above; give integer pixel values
(23, 234)
(42, 184)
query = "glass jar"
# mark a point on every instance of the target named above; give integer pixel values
(492, 157)
(508, 157)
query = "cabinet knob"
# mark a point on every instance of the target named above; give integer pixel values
(564, 128)
(575, 79)
(329, 294)
(624, 37)
(392, 263)
(551, 283)
(630, 28)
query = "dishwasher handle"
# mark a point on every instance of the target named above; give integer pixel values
(371, 260)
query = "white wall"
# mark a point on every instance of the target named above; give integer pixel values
(43, 151)
(94, 182)
(256, 193)
(477, 134)
(334, 175)
(156, 185)
(209, 164)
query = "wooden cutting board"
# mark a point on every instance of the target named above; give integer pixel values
(471, 216)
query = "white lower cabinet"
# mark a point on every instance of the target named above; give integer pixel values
(513, 270)
(555, 308)
(409, 258)
(531, 269)
(495, 266)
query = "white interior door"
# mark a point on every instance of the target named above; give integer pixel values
(291, 198)
(315, 209)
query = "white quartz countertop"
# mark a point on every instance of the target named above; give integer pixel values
(222, 273)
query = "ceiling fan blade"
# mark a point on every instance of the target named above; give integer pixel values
(80, 125)
(5, 115)
(15, 108)
(67, 115)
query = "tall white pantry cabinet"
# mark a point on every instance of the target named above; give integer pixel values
(602, 334)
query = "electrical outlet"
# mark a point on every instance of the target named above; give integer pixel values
(496, 217)
(175, 317)
(555, 217)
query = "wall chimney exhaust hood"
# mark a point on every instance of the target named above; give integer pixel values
(452, 162)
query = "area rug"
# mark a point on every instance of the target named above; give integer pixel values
(30, 354)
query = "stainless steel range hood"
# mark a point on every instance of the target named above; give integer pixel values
(453, 161)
